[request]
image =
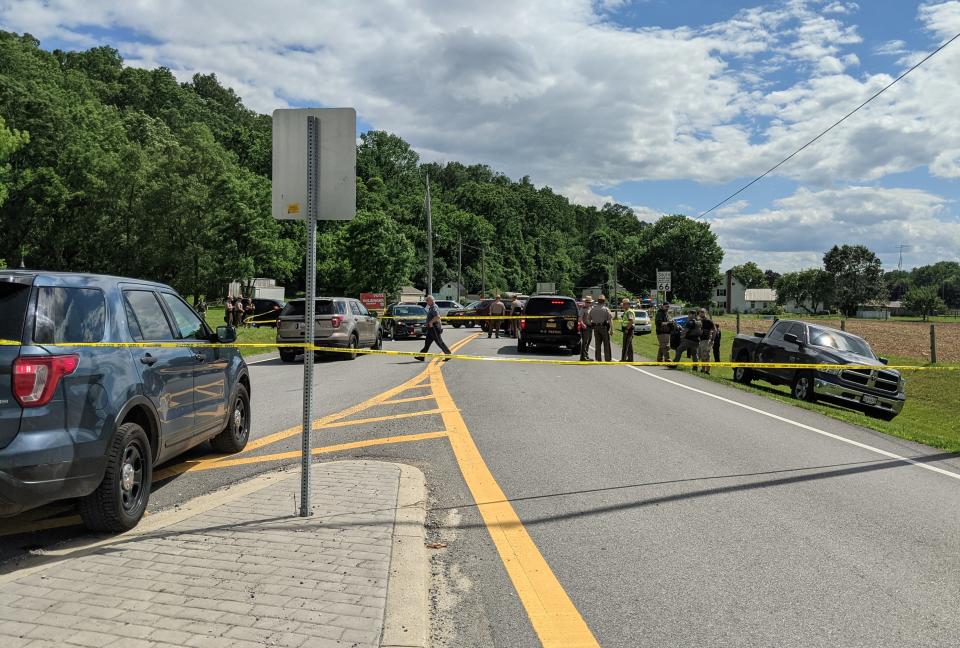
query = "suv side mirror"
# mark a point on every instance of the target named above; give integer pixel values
(883, 360)
(226, 334)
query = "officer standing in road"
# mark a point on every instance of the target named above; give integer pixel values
(497, 310)
(663, 327)
(601, 319)
(516, 310)
(706, 338)
(626, 327)
(434, 329)
(586, 329)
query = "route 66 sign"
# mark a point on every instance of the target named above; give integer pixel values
(663, 280)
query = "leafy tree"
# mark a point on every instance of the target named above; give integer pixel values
(858, 276)
(10, 141)
(771, 278)
(924, 301)
(749, 274)
(811, 289)
(380, 256)
(689, 249)
(897, 283)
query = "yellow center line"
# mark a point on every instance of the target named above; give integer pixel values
(553, 615)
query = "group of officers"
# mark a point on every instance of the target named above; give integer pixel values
(699, 334)
(237, 313)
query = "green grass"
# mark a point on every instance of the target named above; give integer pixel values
(930, 416)
(262, 335)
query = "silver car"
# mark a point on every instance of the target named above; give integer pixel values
(641, 325)
(340, 322)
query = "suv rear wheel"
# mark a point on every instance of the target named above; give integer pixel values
(121, 498)
(287, 356)
(378, 343)
(354, 344)
(234, 436)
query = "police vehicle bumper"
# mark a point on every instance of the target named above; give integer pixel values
(339, 339)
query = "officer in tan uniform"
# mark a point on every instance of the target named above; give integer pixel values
(497, 310)
(586, 330)
(601, 319)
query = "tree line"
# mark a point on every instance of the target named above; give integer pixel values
(116, 169)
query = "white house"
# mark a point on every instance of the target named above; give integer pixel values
(450, 291)
(733, 297)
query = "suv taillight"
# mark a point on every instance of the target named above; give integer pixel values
(579, 326)
(35, 378)
(336, 320)
(523, 325)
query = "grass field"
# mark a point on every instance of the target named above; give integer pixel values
(263, 335)
(931, 414)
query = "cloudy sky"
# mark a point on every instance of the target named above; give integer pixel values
(665, 105)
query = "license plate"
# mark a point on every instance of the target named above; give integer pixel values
(551, 325)
(869, 400)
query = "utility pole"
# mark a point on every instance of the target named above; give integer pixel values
(483, 272)
(429, 241)
(459, 264)
(901, 247)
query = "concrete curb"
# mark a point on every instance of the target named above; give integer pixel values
(406, 621)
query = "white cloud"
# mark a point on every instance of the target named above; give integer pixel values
(798, 229)
(892, 48)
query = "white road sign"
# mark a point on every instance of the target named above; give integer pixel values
(546, 288)
(663, 280)
(338, 163)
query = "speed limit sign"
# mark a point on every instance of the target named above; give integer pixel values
(663, 280)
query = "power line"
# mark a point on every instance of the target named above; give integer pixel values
(835, 124)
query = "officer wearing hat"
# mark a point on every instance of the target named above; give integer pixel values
(601, 319)
(586, 330)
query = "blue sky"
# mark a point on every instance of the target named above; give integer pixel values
(665, 105)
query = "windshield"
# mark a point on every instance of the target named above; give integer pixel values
(410, 311)
(840, 341)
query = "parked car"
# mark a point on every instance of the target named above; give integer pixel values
(91, 422)
(402, 321)
(443, 305)
(876, 391)
(641, 325)
(556, 324)
(467, 311)
(339, 322)
(267, 312)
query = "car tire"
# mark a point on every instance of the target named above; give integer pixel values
(378, 343)
(456, 324)
(521, 345)
(121, 498)
(742, 375)
(353, 346)
(802, 388)
(287, 356)
(235, 434)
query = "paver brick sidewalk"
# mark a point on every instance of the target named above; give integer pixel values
(243, 574)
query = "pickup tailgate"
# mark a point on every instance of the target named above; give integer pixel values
(14, 297)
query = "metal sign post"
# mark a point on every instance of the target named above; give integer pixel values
(310, 318)
(298, 178)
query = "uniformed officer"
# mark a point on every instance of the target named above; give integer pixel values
(586, 329)
(708, 331)
(663, 328)
(601, 319)
(497, 310)
(228, 311)
(626, 327)
(516, 310)
(249, 310)
(434, 329)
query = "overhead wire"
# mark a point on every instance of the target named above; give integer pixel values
(834, 125)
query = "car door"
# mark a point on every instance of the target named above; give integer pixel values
(769, 349)
(167, 373)
(791, 351)
(211, 364)
(366, 322)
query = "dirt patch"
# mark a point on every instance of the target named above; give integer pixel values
(888, 338)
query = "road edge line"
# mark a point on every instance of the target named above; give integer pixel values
(804, 426)
(406, 617)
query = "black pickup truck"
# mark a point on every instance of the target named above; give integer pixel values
(878, 392)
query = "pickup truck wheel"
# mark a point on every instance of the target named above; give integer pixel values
(803, 387)
(234, 436)
(121, 498)
(456, 324)
(883, 415)
(742, 375)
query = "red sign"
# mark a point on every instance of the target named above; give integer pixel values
(374, 301)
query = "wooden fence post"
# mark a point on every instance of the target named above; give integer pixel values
(738, 323)
(933, 344)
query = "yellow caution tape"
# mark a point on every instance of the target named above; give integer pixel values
(638, 363)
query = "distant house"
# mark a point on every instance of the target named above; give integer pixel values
(411, 294)
(596, 291)
(733, 297)
(451, 291)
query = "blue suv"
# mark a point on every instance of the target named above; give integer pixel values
(91, 422)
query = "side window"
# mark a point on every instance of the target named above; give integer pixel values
(341, 307)
(799, 330)
(145, 316)
(776, 333)
(363, 309)
(187, 323)
(355, 308)
(69, 315)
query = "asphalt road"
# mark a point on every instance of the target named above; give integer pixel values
(672, 511)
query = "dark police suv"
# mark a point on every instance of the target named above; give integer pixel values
(550, 321)
(91, 422)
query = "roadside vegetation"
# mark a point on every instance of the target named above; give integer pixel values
(930, 415)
